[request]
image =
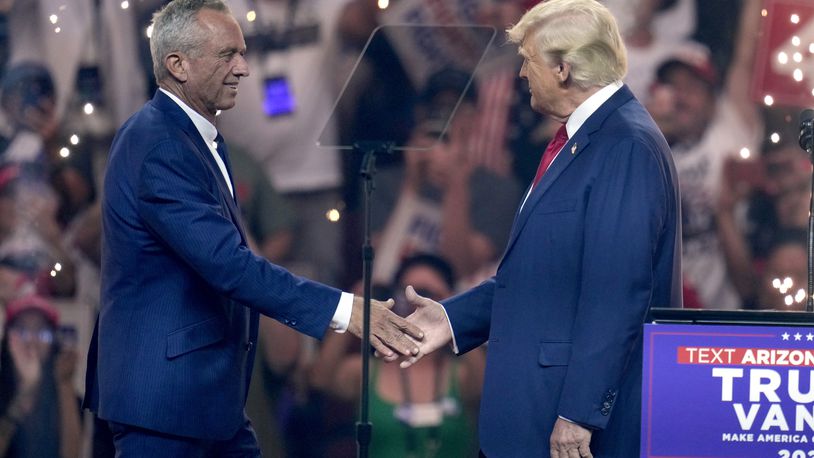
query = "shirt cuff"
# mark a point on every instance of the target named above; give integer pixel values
(451, 331)
(341, 319)
(588, 427)
(568, 420)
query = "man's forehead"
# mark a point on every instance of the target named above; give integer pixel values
(526, 48)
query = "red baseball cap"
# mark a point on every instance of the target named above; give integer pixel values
(693, 56)
(32, 302)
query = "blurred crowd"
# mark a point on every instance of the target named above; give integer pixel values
(72, 71)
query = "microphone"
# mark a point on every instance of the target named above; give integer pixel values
(807, 130)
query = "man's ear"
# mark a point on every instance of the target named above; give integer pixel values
(176, 64)
(563, 72)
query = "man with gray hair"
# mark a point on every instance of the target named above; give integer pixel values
(171, 357)
(594, 245)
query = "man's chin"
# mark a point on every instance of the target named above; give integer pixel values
(227, 104)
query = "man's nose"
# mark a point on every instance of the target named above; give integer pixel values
(242, 67)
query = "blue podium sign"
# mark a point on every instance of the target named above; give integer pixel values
(727, 391)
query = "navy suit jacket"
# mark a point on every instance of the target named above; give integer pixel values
(596, 245)
(175, 339)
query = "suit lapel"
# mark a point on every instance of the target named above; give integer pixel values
(175, 112)
(566, 156)
(560, 163)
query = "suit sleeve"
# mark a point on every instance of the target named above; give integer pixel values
(176, 202)
(628, 210)
(470, 315)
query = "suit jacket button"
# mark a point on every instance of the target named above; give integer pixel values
(293, 323)
(606, 405)
(249, 346)
(604, 412)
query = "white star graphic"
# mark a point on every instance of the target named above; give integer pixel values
(810, 337)
(798, 336)
(785, 336)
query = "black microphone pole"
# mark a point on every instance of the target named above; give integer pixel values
(807, 143)
(369, 150)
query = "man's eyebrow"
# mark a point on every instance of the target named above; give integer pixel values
(227, 51)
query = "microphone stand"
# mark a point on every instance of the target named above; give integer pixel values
(810, 247)
(364, 429)
(807, 143)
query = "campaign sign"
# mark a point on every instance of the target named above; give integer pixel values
(439, 37)
(727, 391)
(784, 63)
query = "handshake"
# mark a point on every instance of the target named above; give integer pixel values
(392, 336)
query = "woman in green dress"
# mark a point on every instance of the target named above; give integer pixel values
(428, 410)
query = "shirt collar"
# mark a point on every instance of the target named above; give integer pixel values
(207, 130)
(589, 106)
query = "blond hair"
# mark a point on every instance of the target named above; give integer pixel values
(581, 33)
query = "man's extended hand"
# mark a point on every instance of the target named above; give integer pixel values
(570, 440)
(388, 331)
(429, 316)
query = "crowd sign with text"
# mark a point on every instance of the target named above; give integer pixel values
(439, 37)
(728, 391)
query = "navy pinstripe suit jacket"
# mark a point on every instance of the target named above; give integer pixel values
(596, 245)
(173, 346)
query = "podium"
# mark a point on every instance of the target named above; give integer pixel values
(729, 384)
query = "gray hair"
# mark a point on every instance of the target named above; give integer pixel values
(581, 33)
(175, 28)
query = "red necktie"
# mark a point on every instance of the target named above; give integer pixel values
(554, 147)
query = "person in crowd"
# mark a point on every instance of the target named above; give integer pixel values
(651, 29)
(32, 229)
(778, 193)
(440, 201)
(181, 290)
(13, 282)
(27, 99)
(88, 46)
(426, 410)
(595, 244)
(269, 217)
(782, 284)
(704, 128)
(283, 109)
(31, 242)
(39, 408)
(762, 211)
(506, 138)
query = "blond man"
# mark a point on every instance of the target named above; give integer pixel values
(594, 245)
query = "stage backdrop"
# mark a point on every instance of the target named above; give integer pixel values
(728, 391)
